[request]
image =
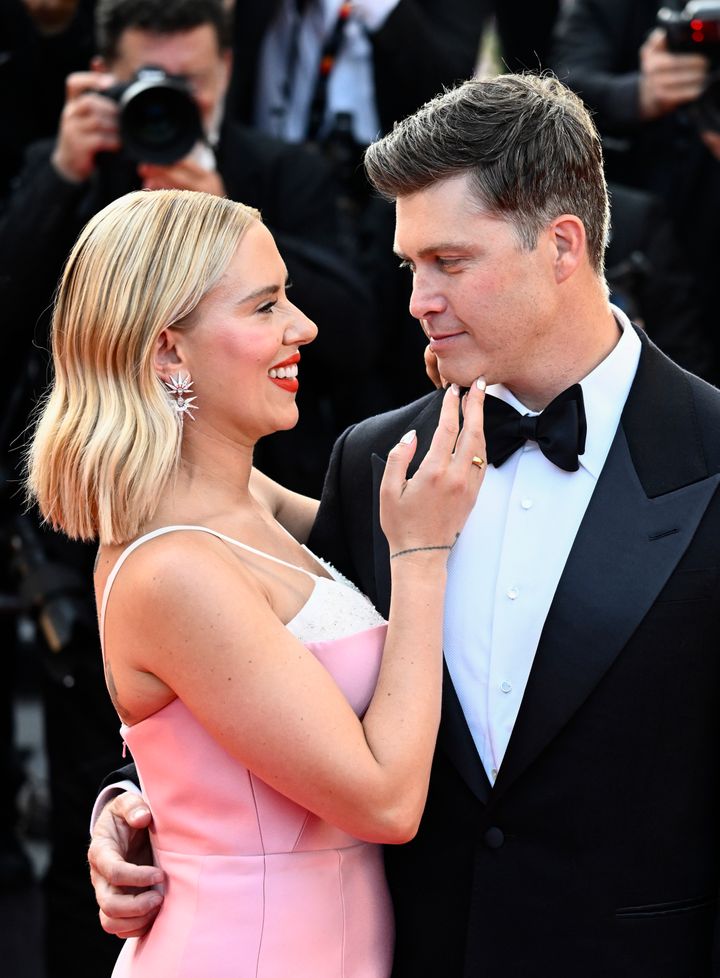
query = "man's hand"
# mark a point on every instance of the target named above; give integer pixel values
(184, 175)
(121, 867)
(668, 80)
(88, 125)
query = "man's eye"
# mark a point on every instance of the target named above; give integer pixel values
(407, 264)
(267, 307)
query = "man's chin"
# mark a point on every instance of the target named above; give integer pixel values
(463, 378)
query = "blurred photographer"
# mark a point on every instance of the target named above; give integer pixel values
(646, 88)
(67, 180)
(668, 78)
(197, 53)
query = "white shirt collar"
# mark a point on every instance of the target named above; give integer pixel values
(605, 390)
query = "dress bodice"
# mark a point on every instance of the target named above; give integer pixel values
(257, 885)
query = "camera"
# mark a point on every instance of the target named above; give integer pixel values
(159, 120)
(697, 29)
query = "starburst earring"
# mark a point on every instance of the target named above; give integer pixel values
(179, 387)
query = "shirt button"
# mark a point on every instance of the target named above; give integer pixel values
(505, 686)
(526, 503)
(493, 773)
(512, 593)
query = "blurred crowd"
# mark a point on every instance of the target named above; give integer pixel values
(272, 104)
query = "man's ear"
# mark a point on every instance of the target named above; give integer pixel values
(569, 243)
(168, 357)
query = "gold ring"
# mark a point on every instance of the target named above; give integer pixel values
(476, 460)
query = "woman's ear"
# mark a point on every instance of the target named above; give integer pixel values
(168, 358)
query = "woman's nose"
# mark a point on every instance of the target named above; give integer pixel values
(301, 329)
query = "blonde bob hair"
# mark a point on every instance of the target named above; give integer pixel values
(108, 438)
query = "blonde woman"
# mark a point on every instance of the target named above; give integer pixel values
(281, 728)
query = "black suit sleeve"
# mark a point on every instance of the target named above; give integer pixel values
(127, 773)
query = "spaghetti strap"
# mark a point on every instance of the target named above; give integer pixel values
(161, 531)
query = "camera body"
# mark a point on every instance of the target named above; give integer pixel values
(696, 29)
(159, 119)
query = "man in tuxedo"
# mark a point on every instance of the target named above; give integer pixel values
(571, 827)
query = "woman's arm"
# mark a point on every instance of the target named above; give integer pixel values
(292, 510)
(196, 620)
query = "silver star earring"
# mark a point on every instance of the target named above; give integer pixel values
(179, 387)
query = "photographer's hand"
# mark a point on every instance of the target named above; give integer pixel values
(88, 125)
(186, 174)
(712, 141)
(668, 80)
(51, 16)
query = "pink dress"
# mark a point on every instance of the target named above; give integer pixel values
(257, 886)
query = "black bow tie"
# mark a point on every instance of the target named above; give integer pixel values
(559, 430)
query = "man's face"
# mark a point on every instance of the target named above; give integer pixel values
(194, 53)
(485, 302)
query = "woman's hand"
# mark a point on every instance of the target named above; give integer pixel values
(428, 512)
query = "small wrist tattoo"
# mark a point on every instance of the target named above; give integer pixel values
(415, 550)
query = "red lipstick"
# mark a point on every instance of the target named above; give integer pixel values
(289, 384)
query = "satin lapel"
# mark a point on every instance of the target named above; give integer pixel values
(456, 741)
(626, 549)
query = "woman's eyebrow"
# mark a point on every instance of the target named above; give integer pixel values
(264, 292)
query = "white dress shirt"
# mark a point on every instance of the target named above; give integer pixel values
(285, 89)
(507, 562)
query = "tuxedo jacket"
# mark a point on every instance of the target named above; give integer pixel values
(596, 853)
(422, 46)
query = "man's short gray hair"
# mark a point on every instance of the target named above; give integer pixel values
(527, 142)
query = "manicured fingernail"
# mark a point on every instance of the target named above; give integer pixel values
(140, 812)
(481, 383)
(408, 437)
(455, 389)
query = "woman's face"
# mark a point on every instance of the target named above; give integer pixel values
(242, 349)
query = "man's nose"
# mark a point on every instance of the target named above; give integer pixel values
(425, 299)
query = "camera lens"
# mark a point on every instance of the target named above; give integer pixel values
(159, 121)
